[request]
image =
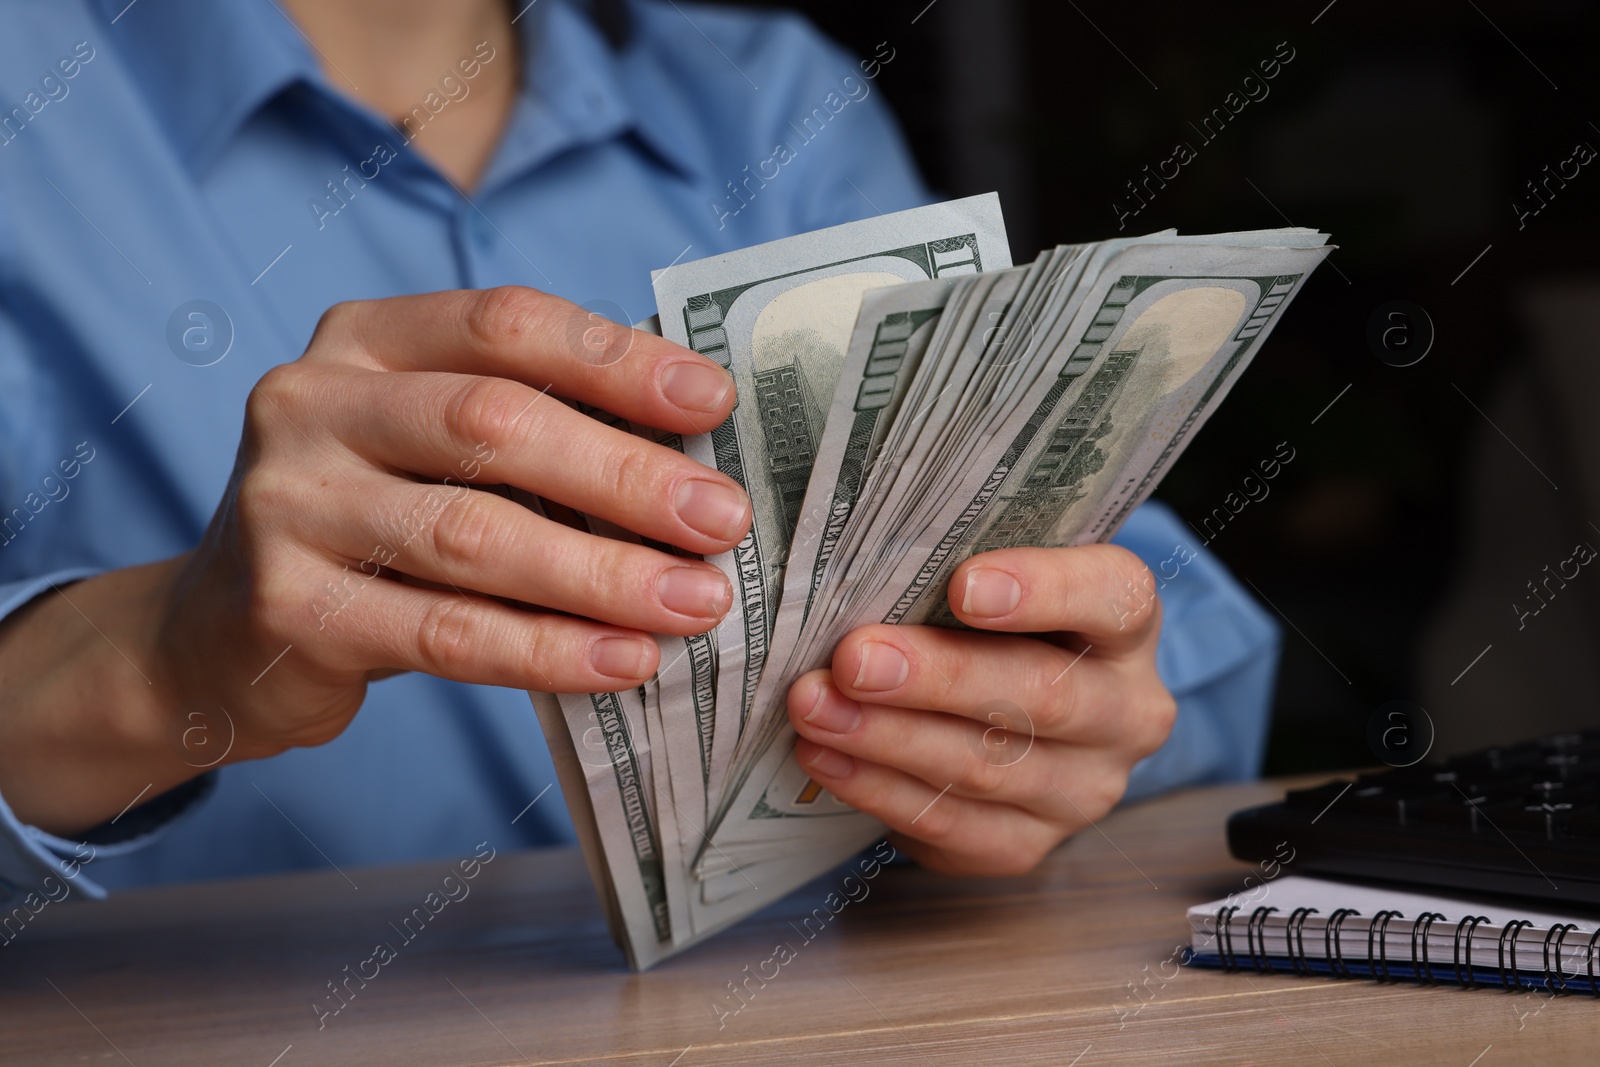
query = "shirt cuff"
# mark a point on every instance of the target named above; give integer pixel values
(36, 864)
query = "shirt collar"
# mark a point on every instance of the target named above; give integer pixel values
(664, 116)
(578, 90)
(207, 67)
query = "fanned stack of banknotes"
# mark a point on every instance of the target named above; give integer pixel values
(906, 399)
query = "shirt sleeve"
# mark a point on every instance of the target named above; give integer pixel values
(37, 868)
(1218, 655)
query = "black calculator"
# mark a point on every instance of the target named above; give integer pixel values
(1521, 820)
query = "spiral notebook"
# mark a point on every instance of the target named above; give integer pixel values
(1310, 926)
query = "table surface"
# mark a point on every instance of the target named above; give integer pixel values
(1065, 966)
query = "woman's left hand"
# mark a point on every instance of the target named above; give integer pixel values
(983, 751)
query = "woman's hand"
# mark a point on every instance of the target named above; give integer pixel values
(983, 751)
(355, 471)
(351, 544)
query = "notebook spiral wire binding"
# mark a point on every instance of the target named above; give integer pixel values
(1377, 963)
(1255, 932)
(1296, 934)
(1230, 962)
(1379, 928)
(1557, 980)
(1333, 947)
(1419, 930)
(1466, 927)
(1511, 930)
(1559, 932)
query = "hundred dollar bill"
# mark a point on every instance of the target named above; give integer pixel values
(903, 405)
(891, 335)
(613, 750)
(1164, 333)
(1162, 348)
(604, 752)
(779, 316)
(887, 421)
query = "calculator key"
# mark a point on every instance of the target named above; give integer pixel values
(1567, 766)
(1458, 812)
(1498, 760)
(1531, 820)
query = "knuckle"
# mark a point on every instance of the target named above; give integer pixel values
(1125, 565)
(275, 393)
(1102, 793)
(935, 825)
(1134, 586)
(488, 410)
(1159, 713)
(1058, 713)
(1092, 796)
(446, 636)
(318, 732)
(606, 578)
(600, 564)
(499, 318)
(276, 599)
(633, 473)
(261, 500)
(464, 532)
(542, 649)
(338, 323)
(1040, 674)
(980, 778)
(597, 340)
(956, 665)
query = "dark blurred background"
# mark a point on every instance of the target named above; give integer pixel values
(1406, 524)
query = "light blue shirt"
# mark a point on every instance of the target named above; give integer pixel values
(170, 152)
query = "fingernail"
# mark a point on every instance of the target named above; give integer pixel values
(619, 657)
(694, 591)
(834, 712)
(712, 508)
(831, 764)
(990, 594)
(696, 385)
(882, 667)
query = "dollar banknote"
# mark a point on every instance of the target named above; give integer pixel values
(1161, 334)
(779, 317)
(906, 400)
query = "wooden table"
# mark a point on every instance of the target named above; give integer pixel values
(926, 970)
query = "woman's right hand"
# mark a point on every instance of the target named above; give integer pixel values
(350, 543)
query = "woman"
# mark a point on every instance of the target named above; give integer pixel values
(194, 193)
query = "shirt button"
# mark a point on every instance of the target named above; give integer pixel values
(478, 226)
